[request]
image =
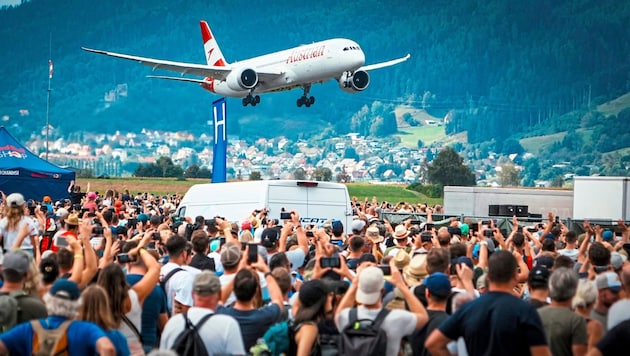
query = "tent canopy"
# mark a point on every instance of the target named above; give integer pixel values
(23, 172)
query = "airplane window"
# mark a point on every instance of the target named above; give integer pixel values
(345, 48)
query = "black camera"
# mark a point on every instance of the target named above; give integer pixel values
(124, 258)
(426, 237)
(488, 233)
(285, 215)
(387, 271)
(326, 262)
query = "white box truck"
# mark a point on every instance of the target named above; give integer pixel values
(316, 202)
(601, 198)
(474, 201)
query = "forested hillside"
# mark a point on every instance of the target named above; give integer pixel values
(497, 66)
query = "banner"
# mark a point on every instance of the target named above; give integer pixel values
(219, 153)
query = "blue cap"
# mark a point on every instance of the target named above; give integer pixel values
(65, 289)
(608, 235)
(465, 260)
(438, 284)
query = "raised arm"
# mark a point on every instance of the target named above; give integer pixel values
(145, 286)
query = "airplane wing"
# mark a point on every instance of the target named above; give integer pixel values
(180, 79)
(202, 70)
(384, 64)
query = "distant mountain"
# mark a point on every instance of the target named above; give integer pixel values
(499, 66)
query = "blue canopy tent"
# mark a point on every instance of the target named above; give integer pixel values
(23, 172)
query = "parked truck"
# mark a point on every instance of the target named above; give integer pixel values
(316, 202)
(477, 201)
(601, 198)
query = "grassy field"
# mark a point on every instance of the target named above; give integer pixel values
(166, 186)
(428, 134)
(537, 144)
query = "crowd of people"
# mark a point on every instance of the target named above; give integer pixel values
(121, 274)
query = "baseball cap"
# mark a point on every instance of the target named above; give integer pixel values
(617, 260)
(438, 284)
(143, 218)
(608, 235)
(465, 260)
(230, 254)
(371, 282)
(62, 213)
(269, 237)
(246, 225)
(16, 260)
(337, 227)
(206, 282)
(65, 289)
(357, 225)
(545, 261)
(15, 200)
(538, 276)
(91, 195)
(607, 280)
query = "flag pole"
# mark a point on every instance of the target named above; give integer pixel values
(50, 73)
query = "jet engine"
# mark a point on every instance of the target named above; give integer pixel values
(242, 80)
(354, 82)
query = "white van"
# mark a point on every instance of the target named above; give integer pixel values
(316, 202)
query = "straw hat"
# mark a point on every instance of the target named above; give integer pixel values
(400, 232)
(401, 259)
(374, 235)
(72, 219)
(416, 270)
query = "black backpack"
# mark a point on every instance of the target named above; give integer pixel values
(364, 337)
(188, 342)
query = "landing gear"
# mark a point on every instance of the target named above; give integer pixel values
(305, 99)
(251, 99)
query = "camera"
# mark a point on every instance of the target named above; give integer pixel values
(488, 233)
(156, 236)
(532, 229)
(330, 262)
(309, 233)
(428, 226)
(285, 215)
(124, 258)
(387, 271)
(426, 237)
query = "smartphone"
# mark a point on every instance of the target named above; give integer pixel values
(415, 222)
(532, 229)
(124, 258)
(156, 236)
(428, 226)
(387, 271)
(488, 233)
(252, 254)
(426, 237)
(61, 242)
(285, 215)
(309, 233)
(557, 220)
(326, 262)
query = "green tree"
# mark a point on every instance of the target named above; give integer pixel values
(192, 171)
(508, 176)
(299, 174)
(420, 144)
(350, 152)
(448, 169)
(322, 174)
(255, 175)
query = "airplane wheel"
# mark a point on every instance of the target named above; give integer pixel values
(245, 101)
(311, 100)
(300, 102)
(307, 104)
(257, 99)
(253, 103)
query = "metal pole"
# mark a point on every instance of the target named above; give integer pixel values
(48, 96)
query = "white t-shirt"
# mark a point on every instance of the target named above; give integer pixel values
(572, 254)
(9, 236)
(221, 334)
(135, 316)
(218, 266)
(397, 324)
(179, 287)
(618, 313)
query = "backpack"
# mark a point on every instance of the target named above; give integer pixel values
(188, 342)
(50, 342)
(364, 337)
(9, 309)
(163, 284)
(279, 339)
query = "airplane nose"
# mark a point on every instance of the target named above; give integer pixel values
(359, 59)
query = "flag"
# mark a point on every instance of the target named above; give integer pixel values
(219, 153)
(50, 69)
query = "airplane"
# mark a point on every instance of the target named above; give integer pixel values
(302, 66)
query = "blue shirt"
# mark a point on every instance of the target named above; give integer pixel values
(153, 306)
(119, 341)
(254, 323)
(82, 336)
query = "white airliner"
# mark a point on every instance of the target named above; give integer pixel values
(301, 66)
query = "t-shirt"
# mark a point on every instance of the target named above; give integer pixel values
(227, 278)
(563, 328)
(615, 341)
(82, 336)
(254, 323)
(119, 341)
(572, 253)
(221, 334)
(602, 318)
(436, 318)
(618, 312)
(179, 286)
(135, 317)
(497, 323)
(9, 236)
(537, 303)
(153, 306)
(397, 324)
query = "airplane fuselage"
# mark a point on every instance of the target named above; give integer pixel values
(314, 63)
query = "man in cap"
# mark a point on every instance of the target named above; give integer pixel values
(275, 240)
(497, 321)
(62, 303)
(608, 286)
(221, 334)
(437, 291)
(366, 290)
(538, 284)
(15, 269)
